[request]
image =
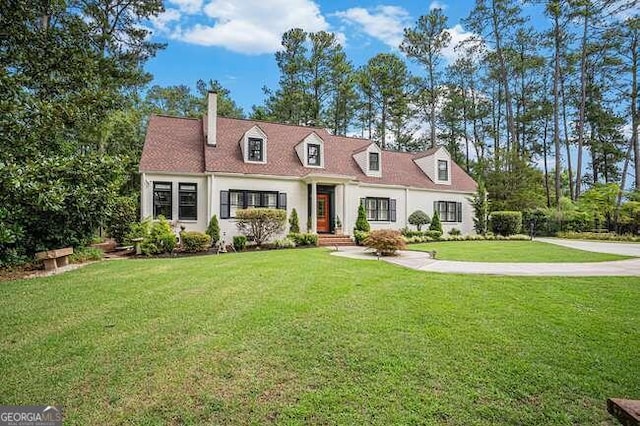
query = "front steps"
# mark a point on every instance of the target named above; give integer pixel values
(331, 240)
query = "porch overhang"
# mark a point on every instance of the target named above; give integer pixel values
(325, 178)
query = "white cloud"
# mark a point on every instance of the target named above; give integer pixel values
(251, 26)
(385, 23)
(188, 6)
(458, 35)
(435, 4)
(162, 21)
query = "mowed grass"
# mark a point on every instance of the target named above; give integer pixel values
(302, 337)
(511, 251)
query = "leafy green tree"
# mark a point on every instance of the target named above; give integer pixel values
(388, 82)
(227, 107)
(65, 70)
(120, 217)
(481, 209)
(424, 44)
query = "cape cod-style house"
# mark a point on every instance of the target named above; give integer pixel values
(192, 169)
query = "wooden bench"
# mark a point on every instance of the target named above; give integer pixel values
(627, 411)
(53, 259)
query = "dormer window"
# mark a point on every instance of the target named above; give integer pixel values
(374, 161)
(313, 154)
(443, 170)
(256, 150)
(310, 151)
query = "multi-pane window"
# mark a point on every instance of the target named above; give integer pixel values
(188, 201)
(380, 209)
(443, 170)
(252, 199)
(313, 154)
(374, 161)
(162, 194)
(256, 149)
(449, 211)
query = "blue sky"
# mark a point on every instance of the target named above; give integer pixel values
(234, 41)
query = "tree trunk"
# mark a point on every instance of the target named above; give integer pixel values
(504, 77)
(556, 113)
(583, 105)
(566, 137)
(635, 115)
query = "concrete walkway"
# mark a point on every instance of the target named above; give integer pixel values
(422, 261)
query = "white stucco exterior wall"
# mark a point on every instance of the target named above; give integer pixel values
(347, 199)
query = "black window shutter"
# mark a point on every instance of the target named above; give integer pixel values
(224, 204)
(392, 210)
(362, 202)
(282, 200)
(435, 207)
(459, 212)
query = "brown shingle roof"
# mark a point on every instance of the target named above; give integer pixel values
(173, 144)
(177, 145)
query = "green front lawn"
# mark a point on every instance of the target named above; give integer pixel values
(299, 337)
(511, 251)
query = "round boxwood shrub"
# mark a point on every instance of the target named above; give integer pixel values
(505, 222)
(193, 241)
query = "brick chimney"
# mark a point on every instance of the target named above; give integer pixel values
(212, 115)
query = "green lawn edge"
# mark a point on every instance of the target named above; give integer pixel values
(512, 252)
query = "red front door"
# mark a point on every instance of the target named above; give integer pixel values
(322, 207)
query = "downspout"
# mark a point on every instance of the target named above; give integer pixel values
(142, 195)
(406, 207)
(209, 198)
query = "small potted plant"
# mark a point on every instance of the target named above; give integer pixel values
(338, 226)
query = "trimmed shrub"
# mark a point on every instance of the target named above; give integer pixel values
(359, 236)
(194, 242)
(213, 230)
(307, 239)
(385, 241)
(284, 243)
(454, 232)
(361, 223)
(436, 225)
(294, 222)
(409, 233)
(239, 242)
(505, 222)
(419, 218)
(85, 254)
(433, 234)
(260, 224)
(604, 236)
(122, 215)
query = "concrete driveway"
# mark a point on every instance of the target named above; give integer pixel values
(624, 249)
(422, 261)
